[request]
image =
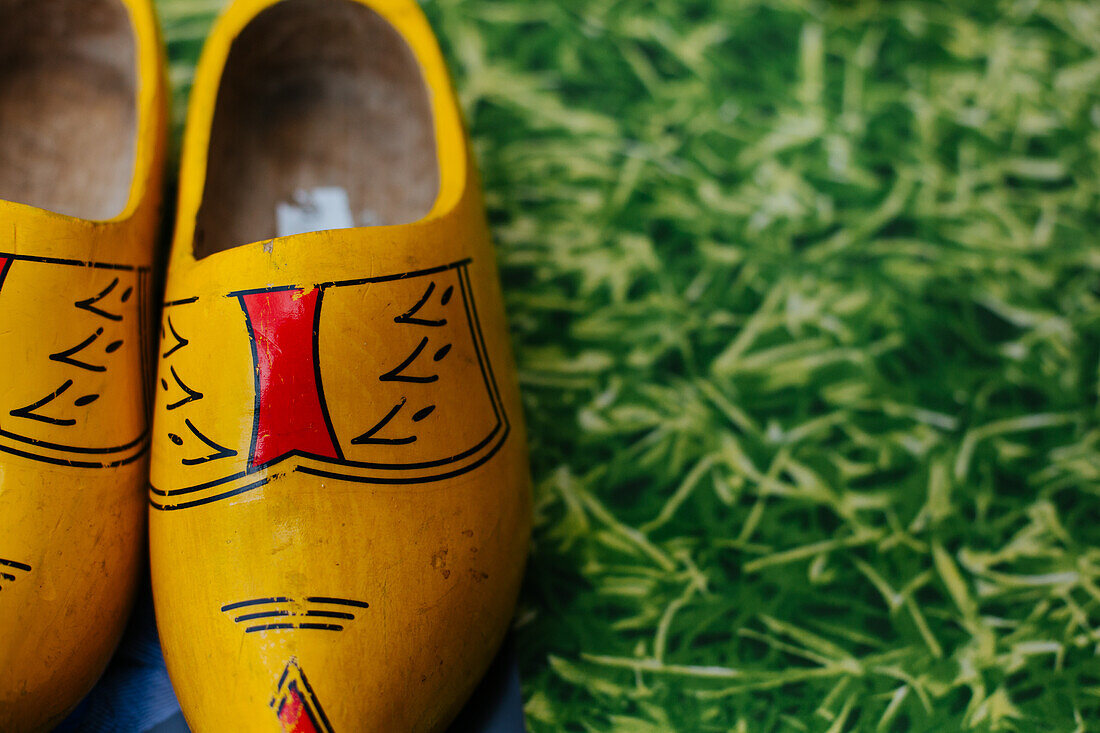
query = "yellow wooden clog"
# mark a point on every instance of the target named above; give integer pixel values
(340, 492)
(83, 117)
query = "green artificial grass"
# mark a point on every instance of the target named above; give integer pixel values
(806, 301)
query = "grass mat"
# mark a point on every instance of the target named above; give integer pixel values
(806, 299)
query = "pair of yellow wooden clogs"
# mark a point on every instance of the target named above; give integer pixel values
(338, 492)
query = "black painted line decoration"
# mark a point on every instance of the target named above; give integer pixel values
(180, 341)
(192, 395)
(81, 420)
(282, 613)
(442, 367)
(11, 570)
(89, 304)
(68, 356)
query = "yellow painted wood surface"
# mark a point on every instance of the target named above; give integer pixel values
(297, 559)
(74, 439)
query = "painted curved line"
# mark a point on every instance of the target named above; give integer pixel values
(73, 463)
(254, 602)
(17, 565)
(339, 601)
(209, 499)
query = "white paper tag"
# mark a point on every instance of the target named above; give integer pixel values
(314, 210)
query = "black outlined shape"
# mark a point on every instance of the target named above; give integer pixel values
(220, 451)
(8, 570)
(409, 316)
(29, 413)
(293, 681)
(89, 304)
(397, 374)
(318, 381)
(5, 267)
(66, 356)
(64, 454)
(192, 395)
(287, 611)
(391, 473)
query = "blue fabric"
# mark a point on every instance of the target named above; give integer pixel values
(135, 695)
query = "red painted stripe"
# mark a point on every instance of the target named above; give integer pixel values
(289, 416)
(5, 263)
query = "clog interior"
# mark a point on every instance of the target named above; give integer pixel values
(322, 118)
(68, 109)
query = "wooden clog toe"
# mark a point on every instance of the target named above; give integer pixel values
(83, 112)
(340, 491)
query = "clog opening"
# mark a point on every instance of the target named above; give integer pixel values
(68, 105)
(322, 121)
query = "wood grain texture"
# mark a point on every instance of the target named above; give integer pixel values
(68, 106)
(317, 93)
